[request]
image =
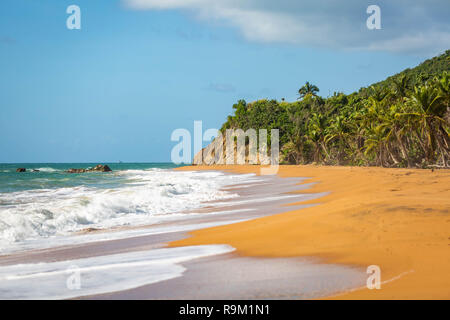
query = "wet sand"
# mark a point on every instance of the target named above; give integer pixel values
(231, 276)
(397, 219)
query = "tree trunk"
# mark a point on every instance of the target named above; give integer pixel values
(402, 149)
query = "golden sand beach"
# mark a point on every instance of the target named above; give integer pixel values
(397, 219)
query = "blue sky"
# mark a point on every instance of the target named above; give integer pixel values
(139, 69)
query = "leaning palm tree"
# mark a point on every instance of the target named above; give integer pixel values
(338, 133)
(376, 144)
(316, 134)
(443, 85)
(308, 89)
(427, 111)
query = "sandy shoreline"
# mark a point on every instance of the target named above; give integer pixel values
(193, 272)
(295, 238)
(397, 219)
(233, 276)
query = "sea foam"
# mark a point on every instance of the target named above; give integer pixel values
(142, 197)
(97, 275)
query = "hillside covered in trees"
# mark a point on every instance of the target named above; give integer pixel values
(402, 121)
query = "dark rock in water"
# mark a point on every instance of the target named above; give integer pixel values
(72, 170)
(21, 170)
(97, 168)
(89, 230)
(101, 168)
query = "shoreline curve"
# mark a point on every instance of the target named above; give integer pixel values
(397, 219)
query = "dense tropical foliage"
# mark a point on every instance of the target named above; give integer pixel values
(403, 121)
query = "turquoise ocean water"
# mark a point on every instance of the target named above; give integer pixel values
(53, 175)
(51, 202)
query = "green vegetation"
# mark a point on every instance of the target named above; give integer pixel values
(403, 121)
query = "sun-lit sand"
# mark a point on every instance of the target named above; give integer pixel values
(398, 219)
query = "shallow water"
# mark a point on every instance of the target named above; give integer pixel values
(73, 278)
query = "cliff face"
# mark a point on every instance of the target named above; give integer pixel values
(216, 153)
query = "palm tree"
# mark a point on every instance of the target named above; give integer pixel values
(400, 87)
(427, 111)
(378, 93)
(397, 128)
(376, 143)
(339, 131)
(316, 134)
(308, 89)
(443, 85)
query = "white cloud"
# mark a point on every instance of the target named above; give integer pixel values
(433, 41)
(164, 4)
(418, 27)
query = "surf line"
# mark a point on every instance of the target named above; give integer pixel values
(383, 282)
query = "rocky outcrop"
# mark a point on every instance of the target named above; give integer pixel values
(215, 153)
(21, 170)
(72, 170)
(101, 168)
(97, 168)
